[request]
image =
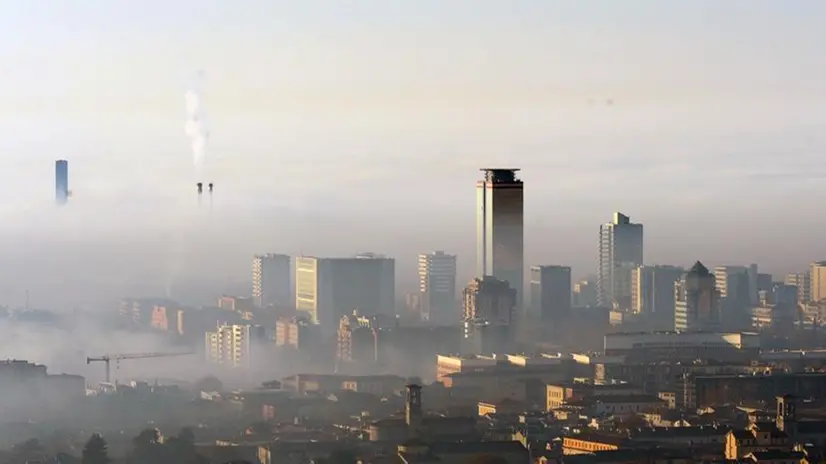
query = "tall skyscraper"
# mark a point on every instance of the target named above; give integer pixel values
(500, 228)
(697, 300)
(328, 288)
(817, 276)
(271, 280)
(620, 252)
(437, 285)
(61, 171)
(550, 290)
(652, 294)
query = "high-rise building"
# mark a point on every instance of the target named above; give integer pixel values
(817, 274)
(585, 293)
(61, 171)
(620, 252)
(550, 290)
(437, 285)
(489, 305)
(232, 345)
(803, 282)
(328, 288)
(271, 280)
(500, 228)
(738, 285)
(696, 300)
(652, 294)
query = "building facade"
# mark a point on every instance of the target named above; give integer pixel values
(271, 284)
(803, 282)
(550, 292)
(652, 293)
(620, 252)
(328, 288)
(231, 345)
(500, 228)
(697, 300)
(489, 312)
(817, 276)
(437, 286)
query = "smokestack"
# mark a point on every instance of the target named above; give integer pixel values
(210, 187)
(61, 171)
(200, 188)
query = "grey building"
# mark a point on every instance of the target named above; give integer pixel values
(697, 301)
(550, 290)
(328, 288)
(437, 285)
(61, 171)
(271, 281)
(500, 228)
(620, 252)
(652, 294)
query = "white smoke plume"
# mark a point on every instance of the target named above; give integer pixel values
(196, 125)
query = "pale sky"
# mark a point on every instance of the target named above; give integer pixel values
(378, 113)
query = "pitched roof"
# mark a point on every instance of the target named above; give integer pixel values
(699, 269)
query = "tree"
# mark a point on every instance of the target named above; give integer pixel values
(181, 448)
(147, 447)
(96, 451)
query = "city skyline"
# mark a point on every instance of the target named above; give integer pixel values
(596, 127)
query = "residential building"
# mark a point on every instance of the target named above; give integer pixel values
(803, 282)
(231, 345)
(817, 274)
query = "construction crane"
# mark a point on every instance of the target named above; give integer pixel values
(107, 358)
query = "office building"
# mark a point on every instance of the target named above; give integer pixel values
(765, 282)
(738, 285)
(817, 276)
(328, 288)
(437, 285)
(620, 252)
(585, 293)
(489, 306)
(696, 300)
(652, 294)
(500, 228)
(550, 290)
(490, 299)
(803, 282)
(61, 171)
(271, 280)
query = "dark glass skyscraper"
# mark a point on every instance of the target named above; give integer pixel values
(61, 172)
(499, 216)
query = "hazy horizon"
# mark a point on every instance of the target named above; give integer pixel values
(338, 128)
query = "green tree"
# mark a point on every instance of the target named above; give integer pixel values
(96, 451)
